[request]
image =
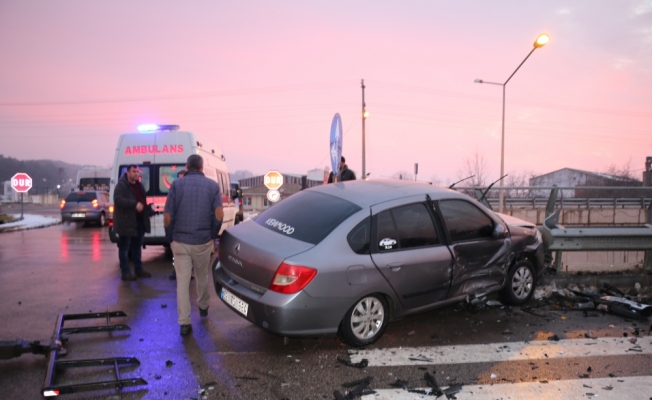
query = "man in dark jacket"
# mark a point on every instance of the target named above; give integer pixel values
(130, 222)
(345, 173)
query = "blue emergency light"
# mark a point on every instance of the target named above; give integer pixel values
(149, 128)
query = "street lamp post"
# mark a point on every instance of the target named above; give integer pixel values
(540, 42)
(365, 114)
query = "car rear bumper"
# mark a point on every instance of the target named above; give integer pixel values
(88, 216)
(282, 314)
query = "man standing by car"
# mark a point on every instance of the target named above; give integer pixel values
(345, 173)
(130, 222)
(193, 213)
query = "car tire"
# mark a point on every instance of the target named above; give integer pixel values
(520, 284)
(101, 221)
(365, 321)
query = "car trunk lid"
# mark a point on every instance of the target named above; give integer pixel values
(251, 254)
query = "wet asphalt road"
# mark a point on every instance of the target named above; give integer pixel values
(74, 269)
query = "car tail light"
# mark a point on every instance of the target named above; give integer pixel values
(94, 202)
(291, 278)
(63, 203)
(110, 209)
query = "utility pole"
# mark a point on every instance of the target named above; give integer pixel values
(364, 172)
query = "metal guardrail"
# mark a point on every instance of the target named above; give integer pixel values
(541, 202)
(559, 238)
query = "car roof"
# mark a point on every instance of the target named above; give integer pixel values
(366, 193)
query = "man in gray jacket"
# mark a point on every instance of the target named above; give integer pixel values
(130, 222)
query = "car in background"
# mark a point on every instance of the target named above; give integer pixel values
(349, 257)
(86, 206)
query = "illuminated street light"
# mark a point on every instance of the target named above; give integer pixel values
(541, 41)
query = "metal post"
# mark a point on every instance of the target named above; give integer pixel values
(21, 205)
(364, 171)
(501, 203)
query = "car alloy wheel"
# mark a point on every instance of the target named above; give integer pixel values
(366, 321)
(520, 283)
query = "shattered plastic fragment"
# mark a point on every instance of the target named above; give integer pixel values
(362, 364)
(493, 376)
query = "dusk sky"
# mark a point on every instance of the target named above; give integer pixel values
(261, 81)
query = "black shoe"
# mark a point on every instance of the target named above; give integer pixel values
(203, 313)
(173, 275)
(186, 329)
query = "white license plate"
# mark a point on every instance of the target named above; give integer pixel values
(234, 301)
(77, 215)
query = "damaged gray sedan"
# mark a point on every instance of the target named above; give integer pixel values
(349, 257)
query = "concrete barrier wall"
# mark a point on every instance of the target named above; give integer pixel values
(593, 261)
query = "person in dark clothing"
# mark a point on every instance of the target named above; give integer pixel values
(345, 173)
(130, 222)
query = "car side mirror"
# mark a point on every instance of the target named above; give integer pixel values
(499, 232)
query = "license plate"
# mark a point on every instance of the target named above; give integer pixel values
(77, 215)
(234, 301)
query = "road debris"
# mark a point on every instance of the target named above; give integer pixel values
(362, 364)
(361, 388)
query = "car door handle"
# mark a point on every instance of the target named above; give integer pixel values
(395, 266)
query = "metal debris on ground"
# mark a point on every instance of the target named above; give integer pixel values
(362, 364)
(634, 304)
(432, 382)
(361, 388)
(421, 358)
(400, 384)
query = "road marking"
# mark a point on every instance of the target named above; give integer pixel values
(629, 388)
(497, 352)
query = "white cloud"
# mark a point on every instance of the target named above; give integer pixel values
(622, 62)
(644, 8)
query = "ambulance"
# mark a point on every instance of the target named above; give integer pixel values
(161, 151)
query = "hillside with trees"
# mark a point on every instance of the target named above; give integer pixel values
(45, 174)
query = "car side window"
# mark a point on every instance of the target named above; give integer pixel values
(386, 232)
(465, 221)
(405, 227)
(359, 237)
(414, 225)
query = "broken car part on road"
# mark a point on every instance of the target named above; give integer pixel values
(55, 349)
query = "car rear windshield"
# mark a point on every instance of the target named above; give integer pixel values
(81, 196)
(307, 216)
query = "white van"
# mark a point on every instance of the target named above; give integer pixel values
(94, 179)
(161, 151)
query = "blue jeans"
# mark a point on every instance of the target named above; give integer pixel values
(136, 244)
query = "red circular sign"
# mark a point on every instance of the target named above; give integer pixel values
(21, 182)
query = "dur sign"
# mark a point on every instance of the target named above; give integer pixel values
(21, 182)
